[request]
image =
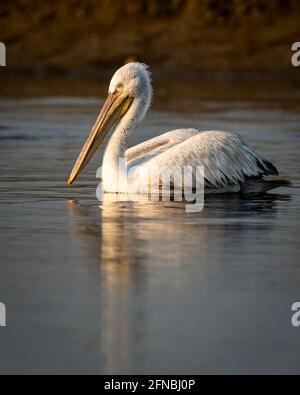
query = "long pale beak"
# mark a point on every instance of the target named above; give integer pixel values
(114, 108)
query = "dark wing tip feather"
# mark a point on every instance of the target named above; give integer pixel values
(268, 168)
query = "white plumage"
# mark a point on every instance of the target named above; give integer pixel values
(229, 163)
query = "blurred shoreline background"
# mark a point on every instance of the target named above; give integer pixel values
(181, 39)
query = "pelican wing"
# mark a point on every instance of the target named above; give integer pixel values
(158, 145)
(226, 158)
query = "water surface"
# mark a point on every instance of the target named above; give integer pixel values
(124, 287)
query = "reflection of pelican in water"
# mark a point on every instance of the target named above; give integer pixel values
(230, 165)
(139, 246)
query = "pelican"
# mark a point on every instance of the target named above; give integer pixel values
(230, 165)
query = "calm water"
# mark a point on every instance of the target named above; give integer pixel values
(140, 287)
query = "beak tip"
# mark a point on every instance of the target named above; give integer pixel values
(70, 182)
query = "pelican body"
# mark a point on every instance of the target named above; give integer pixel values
(230, 165)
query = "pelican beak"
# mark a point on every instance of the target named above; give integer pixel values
(114, 108)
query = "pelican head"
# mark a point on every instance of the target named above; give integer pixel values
(129, 96)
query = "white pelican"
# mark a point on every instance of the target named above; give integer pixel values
(230, 165)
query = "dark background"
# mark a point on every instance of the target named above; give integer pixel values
(183, 38)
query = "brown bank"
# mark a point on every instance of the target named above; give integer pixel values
(179, 37)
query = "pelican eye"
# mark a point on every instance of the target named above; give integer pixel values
(119, 87)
